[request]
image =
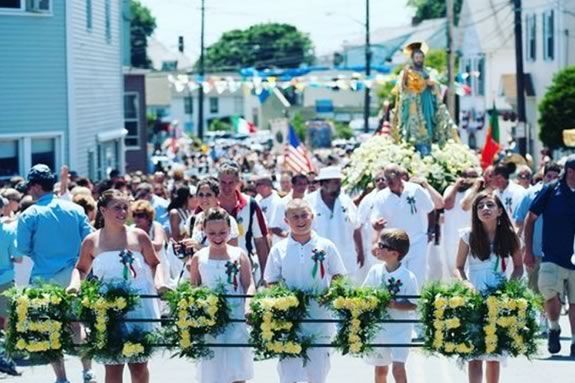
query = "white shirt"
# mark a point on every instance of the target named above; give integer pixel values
(337, 225)
(364, 212)
(407, 211)
(293, 263)
(511, 197)
(269, 204)
(398, 282)
(455, 219)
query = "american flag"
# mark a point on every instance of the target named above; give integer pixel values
(296, 156)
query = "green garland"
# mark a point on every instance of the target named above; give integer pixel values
(463, 323)
(275, 317)
(39, 323)
(102, 309)
(361, 309)
(198, 311)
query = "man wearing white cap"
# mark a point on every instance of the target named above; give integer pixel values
(336, 219)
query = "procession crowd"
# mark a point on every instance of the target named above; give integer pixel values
(185, 225)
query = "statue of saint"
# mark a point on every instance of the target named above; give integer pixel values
(420, 116)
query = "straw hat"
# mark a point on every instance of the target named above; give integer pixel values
(415, 45)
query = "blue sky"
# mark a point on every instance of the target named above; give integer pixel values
(328, 22)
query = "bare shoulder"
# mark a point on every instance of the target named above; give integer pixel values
(91, 239)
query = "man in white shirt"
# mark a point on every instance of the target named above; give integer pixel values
(510, 193)
(269, 201)
(364, 211)
(405, 205)
(455, 218)
(277, 223)
(336, 219)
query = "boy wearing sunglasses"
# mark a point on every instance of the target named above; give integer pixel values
(391, 274)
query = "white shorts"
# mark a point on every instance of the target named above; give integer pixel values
(391, 333)
(315, 370)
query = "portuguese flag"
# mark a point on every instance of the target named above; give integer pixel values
(491, 147)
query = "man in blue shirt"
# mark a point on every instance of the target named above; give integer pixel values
(8, 255)
(50, 232)
(556, 204)
(550, 173)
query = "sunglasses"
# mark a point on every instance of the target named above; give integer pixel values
(489, 205)
(380, 179)
(385, 246)
(140, 215)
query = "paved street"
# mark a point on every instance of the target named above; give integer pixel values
(421, 369)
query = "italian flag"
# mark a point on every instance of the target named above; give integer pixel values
(491, 147)
(242, 126)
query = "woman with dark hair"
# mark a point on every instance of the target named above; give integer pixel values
(116, 252)
(179, 210)
(491, 246)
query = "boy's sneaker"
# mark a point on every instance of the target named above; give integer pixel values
(553, 342)
(8, 366)
(89, 376)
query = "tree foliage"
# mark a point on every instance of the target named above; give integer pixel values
(260, 46)
(142, 25)
(557, 109)
(432, 9)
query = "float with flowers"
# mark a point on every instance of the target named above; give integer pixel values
(457, 321)
(39, 323)
(197, 312)
(275, 318)
(360, 311)
(440, 168)
(464, 323)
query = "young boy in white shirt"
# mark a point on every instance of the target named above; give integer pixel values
(308, 262)
(391, 248)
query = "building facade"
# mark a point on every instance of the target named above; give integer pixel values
(62, 86)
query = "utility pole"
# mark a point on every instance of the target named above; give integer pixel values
(201, 76)
(521, 129)
(367, 70)
(450, 60)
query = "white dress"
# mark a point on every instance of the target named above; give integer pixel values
(108, 267)
(482, 275)
(228, 364)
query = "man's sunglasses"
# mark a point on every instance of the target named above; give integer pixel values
(385, 246)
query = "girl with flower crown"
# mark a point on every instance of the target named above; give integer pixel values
(117, 253)
(221, 265)
(491, 247)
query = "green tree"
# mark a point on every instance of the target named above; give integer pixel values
(260, 46)
(557, 109)
(142, 25)
(432, 9)
(298, 123)
(342, 130)
(218, 124)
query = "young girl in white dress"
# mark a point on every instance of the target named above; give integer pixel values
(116, 252)
(491, 247)
(217, 265)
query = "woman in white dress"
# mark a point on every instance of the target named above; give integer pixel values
(491, 246)
(109, 252)
(179, 210)
(217, 265)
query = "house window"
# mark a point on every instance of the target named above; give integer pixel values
(12, 4)
(108, 21)
(480, 80)
(44, 152)
(89, 15)
(9, 159)
(548, 35)
(530, 49)
(214, 105)
(131, 119)
(188, 105)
